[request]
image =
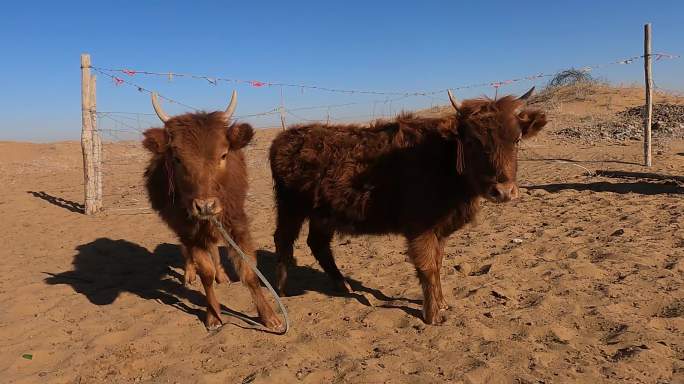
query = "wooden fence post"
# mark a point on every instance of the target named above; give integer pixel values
(97, 144)
(282, 117)
(281, 109)
(87, 137)
(649, 95)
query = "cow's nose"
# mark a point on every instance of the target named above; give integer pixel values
(206, 207)
(503, 192)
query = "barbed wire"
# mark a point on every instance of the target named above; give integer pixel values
(258, 83)
(107, 116)
(269, 112)
(117, 130)
(127, 113)
(118, 80)
(273, 111)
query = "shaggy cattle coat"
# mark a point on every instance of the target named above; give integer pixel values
(419, 177)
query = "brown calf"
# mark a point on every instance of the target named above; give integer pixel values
(419, 177)
(198, 170)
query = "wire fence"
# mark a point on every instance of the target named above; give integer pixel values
(123, 164)
(214, 80)
(123, 76)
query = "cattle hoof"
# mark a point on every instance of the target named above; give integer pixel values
(433, 318)
(214, 327)
(221, 277)
(281, 291)
(189, 273)
(273, 323)
(212, 323)
(437, 320)
(189, 278)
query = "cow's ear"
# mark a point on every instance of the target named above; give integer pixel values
(239, 135)
(531, 122)
(156, 140)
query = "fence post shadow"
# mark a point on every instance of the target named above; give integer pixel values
(69, 205)
(643, 183)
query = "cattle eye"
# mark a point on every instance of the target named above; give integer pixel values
(223, 157)
(176, 160)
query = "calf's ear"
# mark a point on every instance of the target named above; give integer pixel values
(531, 122)
(239, 135)
(156, 140)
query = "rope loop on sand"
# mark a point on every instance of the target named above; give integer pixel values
(231, 242)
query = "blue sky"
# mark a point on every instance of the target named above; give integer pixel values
(382, 45)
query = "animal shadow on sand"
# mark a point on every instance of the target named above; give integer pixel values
(642, 183)
(579, 161)
(304, 278)
(105, 268)
(58, 201)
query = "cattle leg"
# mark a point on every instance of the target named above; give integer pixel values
(189, 271)
(206, 269)
(440, 256)
(250, 280)
(221, 276)
(287, 230)
(319, 242)
(422, 250)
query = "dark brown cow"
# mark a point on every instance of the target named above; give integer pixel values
(419, 177)
(197, 170)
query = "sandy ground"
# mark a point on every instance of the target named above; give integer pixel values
(578, 281)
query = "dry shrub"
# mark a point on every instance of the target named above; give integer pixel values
(571, 76)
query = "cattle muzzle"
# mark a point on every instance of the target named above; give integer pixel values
(502, 192)
(206, 208)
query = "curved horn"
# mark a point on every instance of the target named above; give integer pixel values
(231, 107)
(527, 94)
(453, 100)
(158, 109)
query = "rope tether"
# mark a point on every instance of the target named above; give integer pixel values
(254, 268)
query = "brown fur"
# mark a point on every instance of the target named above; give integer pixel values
(198, 156)
(419, 177)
